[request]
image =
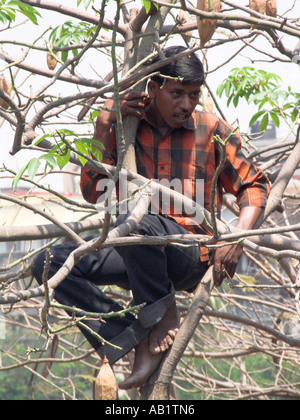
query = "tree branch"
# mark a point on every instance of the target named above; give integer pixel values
(31, 233)
(158, 388)
(75, 13)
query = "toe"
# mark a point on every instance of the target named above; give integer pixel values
(170, 340)
(164, 346)
(172, 333)
(155, 348)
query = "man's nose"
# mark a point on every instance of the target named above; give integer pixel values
(186, 104)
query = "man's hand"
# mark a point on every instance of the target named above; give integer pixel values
(131, 104)
(225, 260)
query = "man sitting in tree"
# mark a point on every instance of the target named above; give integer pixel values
(173, 142)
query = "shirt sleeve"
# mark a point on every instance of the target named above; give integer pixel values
(90, 184)
(240, 177)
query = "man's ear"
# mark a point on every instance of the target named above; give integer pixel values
(152, 89)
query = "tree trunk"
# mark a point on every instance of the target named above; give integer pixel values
(158, 387)
(135, 52)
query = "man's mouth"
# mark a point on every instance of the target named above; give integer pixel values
(182, 117)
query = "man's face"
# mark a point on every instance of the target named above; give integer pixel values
(173, 104)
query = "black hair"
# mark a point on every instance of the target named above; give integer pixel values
(188, 68)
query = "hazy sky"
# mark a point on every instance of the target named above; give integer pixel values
(98, 63)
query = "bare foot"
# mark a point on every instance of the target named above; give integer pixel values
(163, 334)
(145, 364)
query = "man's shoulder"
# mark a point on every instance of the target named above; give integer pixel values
(211, 121)
(206, 118)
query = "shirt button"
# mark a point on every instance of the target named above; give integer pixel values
(162, 168)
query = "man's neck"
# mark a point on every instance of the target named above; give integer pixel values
(156, 120)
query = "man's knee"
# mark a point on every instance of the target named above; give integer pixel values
(38, 266)
(121, 219)
(150, 224)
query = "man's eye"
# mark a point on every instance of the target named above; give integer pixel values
(176, 94)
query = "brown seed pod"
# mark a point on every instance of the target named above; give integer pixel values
(106, 385)
(271, 8)
(259, 6)
(51, 60)
(184, 17)
(4, 85)
(207, 27)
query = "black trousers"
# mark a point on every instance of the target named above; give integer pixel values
(152, 273)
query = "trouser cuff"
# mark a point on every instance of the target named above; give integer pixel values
(125, 342)
(137, 331)
(153, 313)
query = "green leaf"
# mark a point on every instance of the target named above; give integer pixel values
(263, 102)
(259, 96)
(227, 88)
(64, 56)
(286, 106)
(220, 89)
(95, 114)
(264, 122)
(30, 16)
(25, 9)
(11, 13)
(3, 17)
(274, 96)
(39, 139)
(33, 167)
(71, 33)
(83, 150)
(295, 114)
(82, 160)
(236, 101)
(256, 117)
(19, 176)
(51, 161)
(67, 132)
(62, 161)
(95, 152)
(230, 99)
(96, 143)
(147, 5)
(275, 119)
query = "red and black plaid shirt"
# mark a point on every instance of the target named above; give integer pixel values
(189, 153)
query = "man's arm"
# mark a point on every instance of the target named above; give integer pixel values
(226, 258)
(131, 104)
(251, 188)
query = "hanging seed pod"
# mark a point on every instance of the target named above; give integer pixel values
(51, 60)
(185, 18)
(271, 8)
(4, 85)
(259, 6)
(207, 27)
(106, 385)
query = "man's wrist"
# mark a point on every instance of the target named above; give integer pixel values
(248, 218)
(106, 116)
